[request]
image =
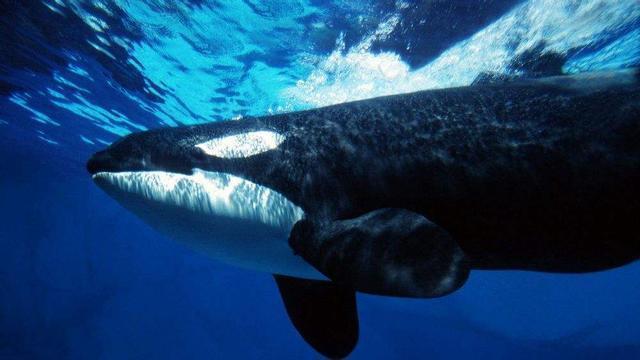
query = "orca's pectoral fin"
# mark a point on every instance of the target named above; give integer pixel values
(324, 314)
(392, 252)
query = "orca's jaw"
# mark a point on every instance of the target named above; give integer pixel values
(225, 216)
(210, 193)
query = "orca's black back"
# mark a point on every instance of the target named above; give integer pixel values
(529, 175)
(539, 174)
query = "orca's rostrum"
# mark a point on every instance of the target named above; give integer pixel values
(400, 195)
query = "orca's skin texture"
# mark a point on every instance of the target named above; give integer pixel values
(535, 175)
(540, 175)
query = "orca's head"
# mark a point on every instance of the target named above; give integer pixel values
(191, 183)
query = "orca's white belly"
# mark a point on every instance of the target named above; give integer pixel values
(224, 216)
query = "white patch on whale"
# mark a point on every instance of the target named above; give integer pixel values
(211, 193)
(226, 217)
(242, 145)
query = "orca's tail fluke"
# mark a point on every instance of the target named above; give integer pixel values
(324, 313)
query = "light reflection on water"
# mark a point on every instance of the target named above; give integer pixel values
(120, 67)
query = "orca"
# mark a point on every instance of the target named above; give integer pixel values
(399, 195)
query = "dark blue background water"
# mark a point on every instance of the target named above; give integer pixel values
(82, 278)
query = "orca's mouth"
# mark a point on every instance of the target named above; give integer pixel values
(105, 161)
(101, 161)
(205, 192)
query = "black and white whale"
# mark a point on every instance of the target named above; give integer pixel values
(400, 195)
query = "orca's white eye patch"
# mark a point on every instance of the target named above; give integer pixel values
(242, 145)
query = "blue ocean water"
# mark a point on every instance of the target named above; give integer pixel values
(82, 278)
